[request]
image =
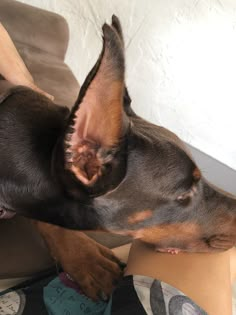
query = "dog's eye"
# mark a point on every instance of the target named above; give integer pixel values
(186, 197)
(6, 213)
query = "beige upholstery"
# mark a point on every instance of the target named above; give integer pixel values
(23, 252)
(41, 38)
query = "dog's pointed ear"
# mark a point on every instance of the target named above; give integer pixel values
(127, 100)
(96, 123)
(115, 22)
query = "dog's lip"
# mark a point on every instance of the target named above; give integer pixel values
(222, 241)
(6, 214)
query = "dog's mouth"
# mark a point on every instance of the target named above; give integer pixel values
(221, 242)
(215, 243)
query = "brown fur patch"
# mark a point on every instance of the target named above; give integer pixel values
(179, 230)
(166, 233)
(139, 216)
(196, 174)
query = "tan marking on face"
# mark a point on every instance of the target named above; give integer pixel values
(139, 216)
(167, 233)
(178, 231)
(196, 174)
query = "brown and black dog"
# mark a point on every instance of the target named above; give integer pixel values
(101, 167)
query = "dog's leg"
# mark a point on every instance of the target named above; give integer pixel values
(93, 266)
(12, 67)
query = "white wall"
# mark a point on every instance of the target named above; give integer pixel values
(181, 62)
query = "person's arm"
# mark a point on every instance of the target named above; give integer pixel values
(12, 67)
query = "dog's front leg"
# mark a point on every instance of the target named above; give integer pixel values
(91, 265)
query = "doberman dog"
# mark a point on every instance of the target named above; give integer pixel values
(102, 167)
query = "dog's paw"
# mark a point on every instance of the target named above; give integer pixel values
(92, 266)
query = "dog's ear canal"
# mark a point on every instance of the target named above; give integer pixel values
(96, 124)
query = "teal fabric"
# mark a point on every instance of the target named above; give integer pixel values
(61, 300)
(108, 308)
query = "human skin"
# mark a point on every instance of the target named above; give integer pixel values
(204, 277)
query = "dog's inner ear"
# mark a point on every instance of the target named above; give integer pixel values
(96, 123)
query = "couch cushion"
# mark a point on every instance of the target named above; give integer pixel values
(23, 252)
(50, 74)
(35, 27)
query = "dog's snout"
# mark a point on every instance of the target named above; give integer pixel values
(220, 218)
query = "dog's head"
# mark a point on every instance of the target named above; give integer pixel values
(125, 174)
(140, 178)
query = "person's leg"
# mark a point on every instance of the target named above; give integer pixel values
(205, 278)
(233, 265)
